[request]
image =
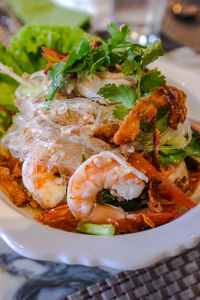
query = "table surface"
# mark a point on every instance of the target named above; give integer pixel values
(22, 278)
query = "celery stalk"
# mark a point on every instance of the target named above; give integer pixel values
(107, 229)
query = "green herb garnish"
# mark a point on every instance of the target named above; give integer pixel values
(120, 112)
(177, 155)
(83, 157)
(118, 50)
(127, 205)
(122, 93)
(151, 80)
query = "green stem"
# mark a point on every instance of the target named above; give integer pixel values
(97, 229)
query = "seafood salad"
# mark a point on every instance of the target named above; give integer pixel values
(99, 143)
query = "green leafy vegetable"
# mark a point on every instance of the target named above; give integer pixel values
(127, 205)
(5, 121)
(8, 58)
(27, 43)
(162, 118)
(74, 63)
(151, 53)
(24, 55)
(7, 90)
(171, 156)
(121, 93)
(118, 50)
(83, 157)
(162, 121)
(177, 155)
(118, 37)
(193, 148)
(107, 229)
(151, 80)
(130, 64)
(120, 112)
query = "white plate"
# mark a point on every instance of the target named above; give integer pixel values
(130, 251)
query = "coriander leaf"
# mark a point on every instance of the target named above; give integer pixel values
(56, 74)
(121, 93)
(162, 118)
(120, 112)
(151, 53)
(74, 63)
(99, 59)
(127, 205)
(117, 36)
(193, 148)
(75, 56)
(83, 49)
(130, 65)
(151, 80)
(171, 156)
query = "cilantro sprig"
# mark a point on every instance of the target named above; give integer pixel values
(118, 50)
(75, 62)
(123, 94)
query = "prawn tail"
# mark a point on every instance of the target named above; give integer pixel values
(142, 221)
(58, 217)
(156, 219)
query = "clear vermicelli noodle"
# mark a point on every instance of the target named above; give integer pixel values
(62, 128)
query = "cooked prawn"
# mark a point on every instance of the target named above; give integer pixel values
(46, 187)
(103, 171)
(88, 86)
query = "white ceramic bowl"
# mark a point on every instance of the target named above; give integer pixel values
(130, 251)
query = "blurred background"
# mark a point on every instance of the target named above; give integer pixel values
(175, 22)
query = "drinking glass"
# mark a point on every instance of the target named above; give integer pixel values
(144, 17)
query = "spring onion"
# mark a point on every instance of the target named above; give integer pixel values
(107, 229)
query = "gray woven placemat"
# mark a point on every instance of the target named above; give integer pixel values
(176, 278)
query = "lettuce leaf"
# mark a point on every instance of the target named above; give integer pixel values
(26, 44)
(193, 148)
(171, 156)
(24, 55)
(7, 58)
(5, 122)
(177, 155)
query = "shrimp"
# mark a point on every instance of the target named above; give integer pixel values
(88, 86)
(103, 171)
(47, 188)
